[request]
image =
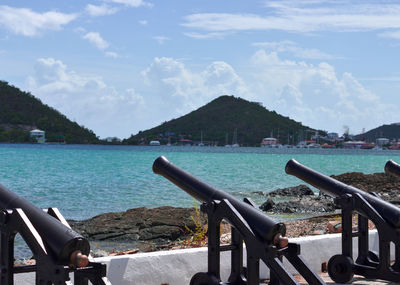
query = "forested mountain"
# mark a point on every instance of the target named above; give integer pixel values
(218, 121)
(21, 112)
(391, 131)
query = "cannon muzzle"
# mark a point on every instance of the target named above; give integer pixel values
(263, 226)
(335, 188)
(67, 246)
(393, 168)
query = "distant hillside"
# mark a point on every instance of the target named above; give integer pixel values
(217, 121)
(391, 131)
(21, 112)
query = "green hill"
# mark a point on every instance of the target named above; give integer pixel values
(391, 131)
(21, 112)
(217, 121)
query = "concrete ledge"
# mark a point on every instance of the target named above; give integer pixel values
(177, 267)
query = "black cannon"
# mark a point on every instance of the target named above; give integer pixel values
(368, 206)
(264, 237)
(393, 168)
(56, 248)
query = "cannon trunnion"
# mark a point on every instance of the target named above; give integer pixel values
(368, 207)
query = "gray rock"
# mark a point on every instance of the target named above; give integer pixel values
(296, 191)
(303, 200)
(305, 205)
(268, 205)
(158, 225)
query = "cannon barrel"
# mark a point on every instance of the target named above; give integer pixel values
(335, 188)
(261, 224)
(392, 167)
(64, 244)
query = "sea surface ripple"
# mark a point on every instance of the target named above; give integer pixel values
(85, 180)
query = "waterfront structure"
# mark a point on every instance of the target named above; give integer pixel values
(269, 142)
(307, 144)
(112, 139)
(186, 142)
(382, 141)
(354, 144)
(332, 136)
(39, 135)
(395, 145)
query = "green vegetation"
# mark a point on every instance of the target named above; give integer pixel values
(198, 235)
(391, 131)
(217, 121)
(21, 112)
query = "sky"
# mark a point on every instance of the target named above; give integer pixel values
(121, 66)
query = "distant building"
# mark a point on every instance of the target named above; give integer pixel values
(333, 136)
(269, 142)
(186, 142)
(112, 139)
(39, 135)
(307, 144)
(302, 144)
(154, 143)
(382, 141)
(395, 145)
(354, 144)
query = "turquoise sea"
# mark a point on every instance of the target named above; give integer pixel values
(86, 180)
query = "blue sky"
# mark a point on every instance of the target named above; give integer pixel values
(121, 66)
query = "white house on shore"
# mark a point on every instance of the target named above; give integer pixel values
(39, 135)
(382, 141)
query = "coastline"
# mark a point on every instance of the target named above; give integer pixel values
(92, 179)
(164, 228)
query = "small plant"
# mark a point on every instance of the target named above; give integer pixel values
(199, 233)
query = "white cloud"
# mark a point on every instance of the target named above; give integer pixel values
(223, 78)
(80, 30)
(391, 34)
(313, 94)
(87, 98)
(161, 39)
(390, 78)
(295, 49)
(143, 22)
(96, 40)
(111, 54)
(202, 36)
(23, 21)
(316, 95)
(182, 90)
(102, 10)
(304, 17)
(132, 3)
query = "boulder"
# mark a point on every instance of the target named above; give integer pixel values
(159, 225)
(268, 205)
(311, 204)
(296, 191)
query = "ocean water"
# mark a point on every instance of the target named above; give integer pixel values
(83, 181)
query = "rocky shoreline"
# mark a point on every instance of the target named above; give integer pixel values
(143, 229)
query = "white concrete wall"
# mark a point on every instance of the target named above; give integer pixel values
(177, 267)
